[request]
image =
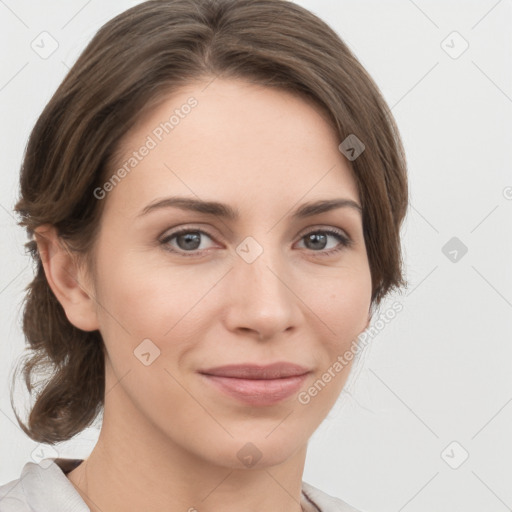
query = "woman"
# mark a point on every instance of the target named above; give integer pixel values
(216, 191)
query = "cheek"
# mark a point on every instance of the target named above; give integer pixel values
(145, 327)
(342, 305)
(141, 300)
(342, 309)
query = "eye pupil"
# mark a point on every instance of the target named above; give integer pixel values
(315, 237)
(195, 238)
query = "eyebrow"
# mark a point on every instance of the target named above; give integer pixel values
(225, 211)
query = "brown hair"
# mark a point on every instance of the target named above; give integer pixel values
(127, 68)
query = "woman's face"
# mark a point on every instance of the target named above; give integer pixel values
(260, 287)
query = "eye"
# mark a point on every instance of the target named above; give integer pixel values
(188, 241)
(318, 239)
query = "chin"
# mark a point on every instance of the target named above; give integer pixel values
(255, 452)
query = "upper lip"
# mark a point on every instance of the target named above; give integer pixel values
(277, 370)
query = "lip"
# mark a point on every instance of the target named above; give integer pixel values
(277, 370)
(257, 385)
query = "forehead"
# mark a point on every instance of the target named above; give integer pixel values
(234, 141)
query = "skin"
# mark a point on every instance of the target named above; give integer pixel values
(169, 441)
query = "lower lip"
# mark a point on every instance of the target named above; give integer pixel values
(258, 391)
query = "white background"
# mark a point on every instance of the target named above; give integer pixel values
(441, 370)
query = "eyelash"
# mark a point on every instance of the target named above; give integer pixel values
(345, 242)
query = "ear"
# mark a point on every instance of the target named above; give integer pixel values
(67, 281)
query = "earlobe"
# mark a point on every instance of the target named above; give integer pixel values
(66, 279)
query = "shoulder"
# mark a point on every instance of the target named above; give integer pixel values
(42, 486)
(13, 496)
(326, 502)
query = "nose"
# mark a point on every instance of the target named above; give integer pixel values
(260, 296)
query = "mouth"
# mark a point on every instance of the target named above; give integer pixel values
(257, 385)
